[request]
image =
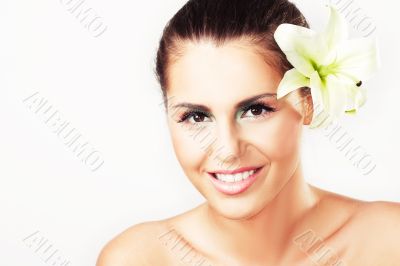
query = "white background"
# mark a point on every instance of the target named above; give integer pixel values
(105, 87)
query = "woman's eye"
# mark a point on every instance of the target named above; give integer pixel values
(257, 110)
(197, 117)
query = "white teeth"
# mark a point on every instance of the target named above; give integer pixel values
(235, 177)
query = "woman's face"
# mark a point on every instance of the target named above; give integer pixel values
(214, 126)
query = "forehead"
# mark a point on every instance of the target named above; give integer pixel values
(209, 74)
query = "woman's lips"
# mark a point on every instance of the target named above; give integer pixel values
(239, 170)
(233, 188)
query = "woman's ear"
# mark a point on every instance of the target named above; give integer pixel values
(308, 107)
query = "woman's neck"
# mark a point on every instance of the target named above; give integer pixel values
(265, 234)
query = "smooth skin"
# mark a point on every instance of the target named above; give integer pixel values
(280, 220)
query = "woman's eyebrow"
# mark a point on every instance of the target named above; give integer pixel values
(239, 105)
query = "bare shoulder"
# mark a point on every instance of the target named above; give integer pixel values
(382, 216)
(367, 215)
(371, 228)
(377, 226)
(137, 245)
(145, 244)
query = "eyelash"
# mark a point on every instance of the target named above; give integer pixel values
(189, 114)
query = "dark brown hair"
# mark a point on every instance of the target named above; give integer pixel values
(220, 21)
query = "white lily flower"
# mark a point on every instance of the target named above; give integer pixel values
(329, 64)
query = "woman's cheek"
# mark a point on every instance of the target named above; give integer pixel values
(277, 137)
(188, 145)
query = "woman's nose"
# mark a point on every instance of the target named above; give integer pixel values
(228, 146)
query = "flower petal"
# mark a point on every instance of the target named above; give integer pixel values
(292, 80)
(336, 30)
(335, 33)
(330, 99)
(320, 114)
(358, 59)
(302, 47)
(337, 95)
(356, 98)
(361, 98)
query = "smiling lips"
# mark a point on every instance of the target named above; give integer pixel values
(234, 182)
